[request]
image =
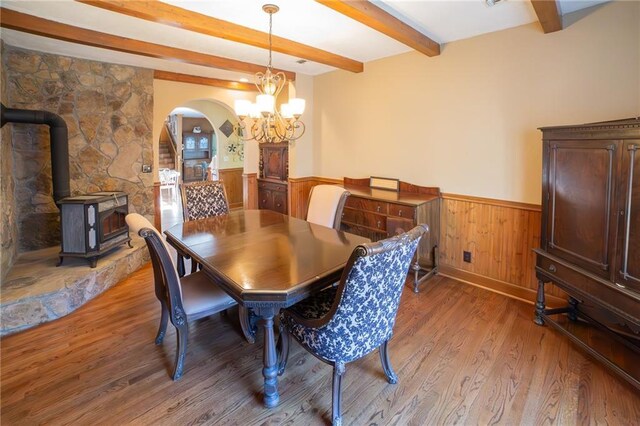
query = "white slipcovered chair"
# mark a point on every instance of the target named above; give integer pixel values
(326, 203)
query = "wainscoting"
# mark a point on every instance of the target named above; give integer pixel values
(299, 189)
(232, 179)
(499, 234)
(250, 191)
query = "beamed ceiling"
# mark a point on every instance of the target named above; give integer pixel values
(227, 39)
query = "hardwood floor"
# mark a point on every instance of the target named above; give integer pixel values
(463, 355)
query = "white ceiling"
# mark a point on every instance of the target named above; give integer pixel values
(304, 21)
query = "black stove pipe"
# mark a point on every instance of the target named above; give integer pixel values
(59, 143)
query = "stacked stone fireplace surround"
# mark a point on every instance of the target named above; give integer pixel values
(108, 110)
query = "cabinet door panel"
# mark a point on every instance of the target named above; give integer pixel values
(628, 270)
(580, 202)
(280, 202)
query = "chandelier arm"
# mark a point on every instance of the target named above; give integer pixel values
(298, 125)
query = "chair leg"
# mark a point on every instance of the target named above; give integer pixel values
(245, 322)
(164, 318)
(194, 265)
(283, 349)
(386, 363)
(180, 265)
(181, 351)
(336, 397)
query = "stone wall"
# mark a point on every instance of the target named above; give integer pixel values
(8, 228)
(108, 109)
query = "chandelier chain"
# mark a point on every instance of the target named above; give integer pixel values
(270, 26)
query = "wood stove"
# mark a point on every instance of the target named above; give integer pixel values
(93, 224)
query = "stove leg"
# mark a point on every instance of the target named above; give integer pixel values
(60, 259)
(93, 261)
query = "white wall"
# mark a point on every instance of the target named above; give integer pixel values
(467, 120)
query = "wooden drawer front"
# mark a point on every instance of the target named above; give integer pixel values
(396, 225)
(582, 287)
(405, 212)
(364, 218)
(272, 186)
(365, 232)
(368, 205)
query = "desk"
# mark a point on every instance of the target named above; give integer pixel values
(266, 261)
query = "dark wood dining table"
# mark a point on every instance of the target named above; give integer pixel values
(266, 261)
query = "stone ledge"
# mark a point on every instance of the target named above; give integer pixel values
(36, 291)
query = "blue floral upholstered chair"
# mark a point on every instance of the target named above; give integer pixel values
(181, 299)
(344, 323)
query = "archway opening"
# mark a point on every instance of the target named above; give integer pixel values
(199, 141)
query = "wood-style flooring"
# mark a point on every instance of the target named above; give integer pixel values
(463, 355)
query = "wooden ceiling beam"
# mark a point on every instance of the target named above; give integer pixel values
(206, 81)
(163, 13)
(372, 16)
(548, 15)
(43, 27)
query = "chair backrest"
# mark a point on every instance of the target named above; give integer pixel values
(326, 203)
(166, 280)
(203, 199)
(364, 311)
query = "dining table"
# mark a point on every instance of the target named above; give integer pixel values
(266, 261)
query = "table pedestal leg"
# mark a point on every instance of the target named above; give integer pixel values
(270, 369)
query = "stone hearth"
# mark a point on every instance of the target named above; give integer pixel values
(36, 291)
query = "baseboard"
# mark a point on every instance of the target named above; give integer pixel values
(497, 286)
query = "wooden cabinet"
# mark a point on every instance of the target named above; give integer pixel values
(196, 154)
(274, 172)
(590, 244)
(378, 214)
(272, 195)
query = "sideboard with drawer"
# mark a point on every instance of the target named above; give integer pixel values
(381, 213)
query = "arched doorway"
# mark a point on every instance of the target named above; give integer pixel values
(199, 141)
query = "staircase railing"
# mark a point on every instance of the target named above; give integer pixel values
(172, 143)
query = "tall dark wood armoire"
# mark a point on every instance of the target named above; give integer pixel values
(590, 238)
(273, 182)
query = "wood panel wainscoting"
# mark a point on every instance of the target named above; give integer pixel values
(250, 191)
(299, 189)
(157, 209)
(233, 184)
(501, 236)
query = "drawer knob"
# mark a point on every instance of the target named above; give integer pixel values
(379, 224)
(552, 268)
(400, 213)
(378, 209)
(278, 205)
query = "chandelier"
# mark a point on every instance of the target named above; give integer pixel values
(262, 119)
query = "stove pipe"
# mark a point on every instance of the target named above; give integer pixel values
(59, 143)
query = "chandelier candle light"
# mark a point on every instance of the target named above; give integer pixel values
(262, 119)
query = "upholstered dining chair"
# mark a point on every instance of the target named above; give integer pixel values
(344, 323)
(326, 203)
(206, 199)
(203, 199)
(182, 300)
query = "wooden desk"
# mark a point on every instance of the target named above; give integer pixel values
(266, 261)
